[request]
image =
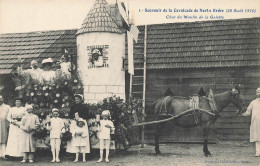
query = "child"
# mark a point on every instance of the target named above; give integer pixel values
(106, 126)
(80, 138)
(56, 126)
(28, 124)
(254, 110)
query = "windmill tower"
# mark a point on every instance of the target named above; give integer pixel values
(101, 48)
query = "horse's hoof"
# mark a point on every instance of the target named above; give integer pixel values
(207, 154)
(158, 153)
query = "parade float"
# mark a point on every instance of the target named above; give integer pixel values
(54, 86)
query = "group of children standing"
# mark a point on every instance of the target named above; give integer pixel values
(56, 126)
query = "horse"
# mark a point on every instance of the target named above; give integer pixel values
(205, 114)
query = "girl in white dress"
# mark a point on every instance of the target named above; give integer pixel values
(14, 142)
(79, 138)
(29, 124)
(105, 128)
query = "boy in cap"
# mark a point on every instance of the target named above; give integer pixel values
(254, 110)
(56, 126)
(106, 126)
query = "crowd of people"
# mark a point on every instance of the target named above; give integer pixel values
(49, 72)
(18, 124)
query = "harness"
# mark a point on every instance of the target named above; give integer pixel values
(194, 110)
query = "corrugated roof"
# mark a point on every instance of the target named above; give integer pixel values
(21, 48)
(99, 20)
(222, 43)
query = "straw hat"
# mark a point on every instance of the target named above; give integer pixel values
(48, 60)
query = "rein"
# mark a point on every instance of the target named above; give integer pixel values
(173, 117)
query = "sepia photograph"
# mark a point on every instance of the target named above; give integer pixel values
(129, 83)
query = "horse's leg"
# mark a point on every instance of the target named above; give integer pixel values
(205, 145)
(156, 139)
(157, 132)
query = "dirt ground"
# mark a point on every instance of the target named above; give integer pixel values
(238, 154)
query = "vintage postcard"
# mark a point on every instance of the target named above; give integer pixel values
(130, 82)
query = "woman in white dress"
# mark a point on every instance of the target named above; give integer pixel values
(4, 125)
(47, 75)
(14, 143)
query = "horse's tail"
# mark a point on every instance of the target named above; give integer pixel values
(161, 103)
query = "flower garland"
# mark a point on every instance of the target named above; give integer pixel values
(123, 116)
(60, 94)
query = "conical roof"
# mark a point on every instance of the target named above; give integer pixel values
(99, 20)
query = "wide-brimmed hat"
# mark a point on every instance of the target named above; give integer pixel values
(48, 60)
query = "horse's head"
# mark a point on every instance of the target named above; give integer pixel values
(237, 98)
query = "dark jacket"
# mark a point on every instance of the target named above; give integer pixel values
(82, 110)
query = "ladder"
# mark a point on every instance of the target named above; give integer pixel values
(137, 84)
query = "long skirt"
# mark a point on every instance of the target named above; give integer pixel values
(28, 142)
(14, 142)
(4, 125)
(255, 130)
(2, 150)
